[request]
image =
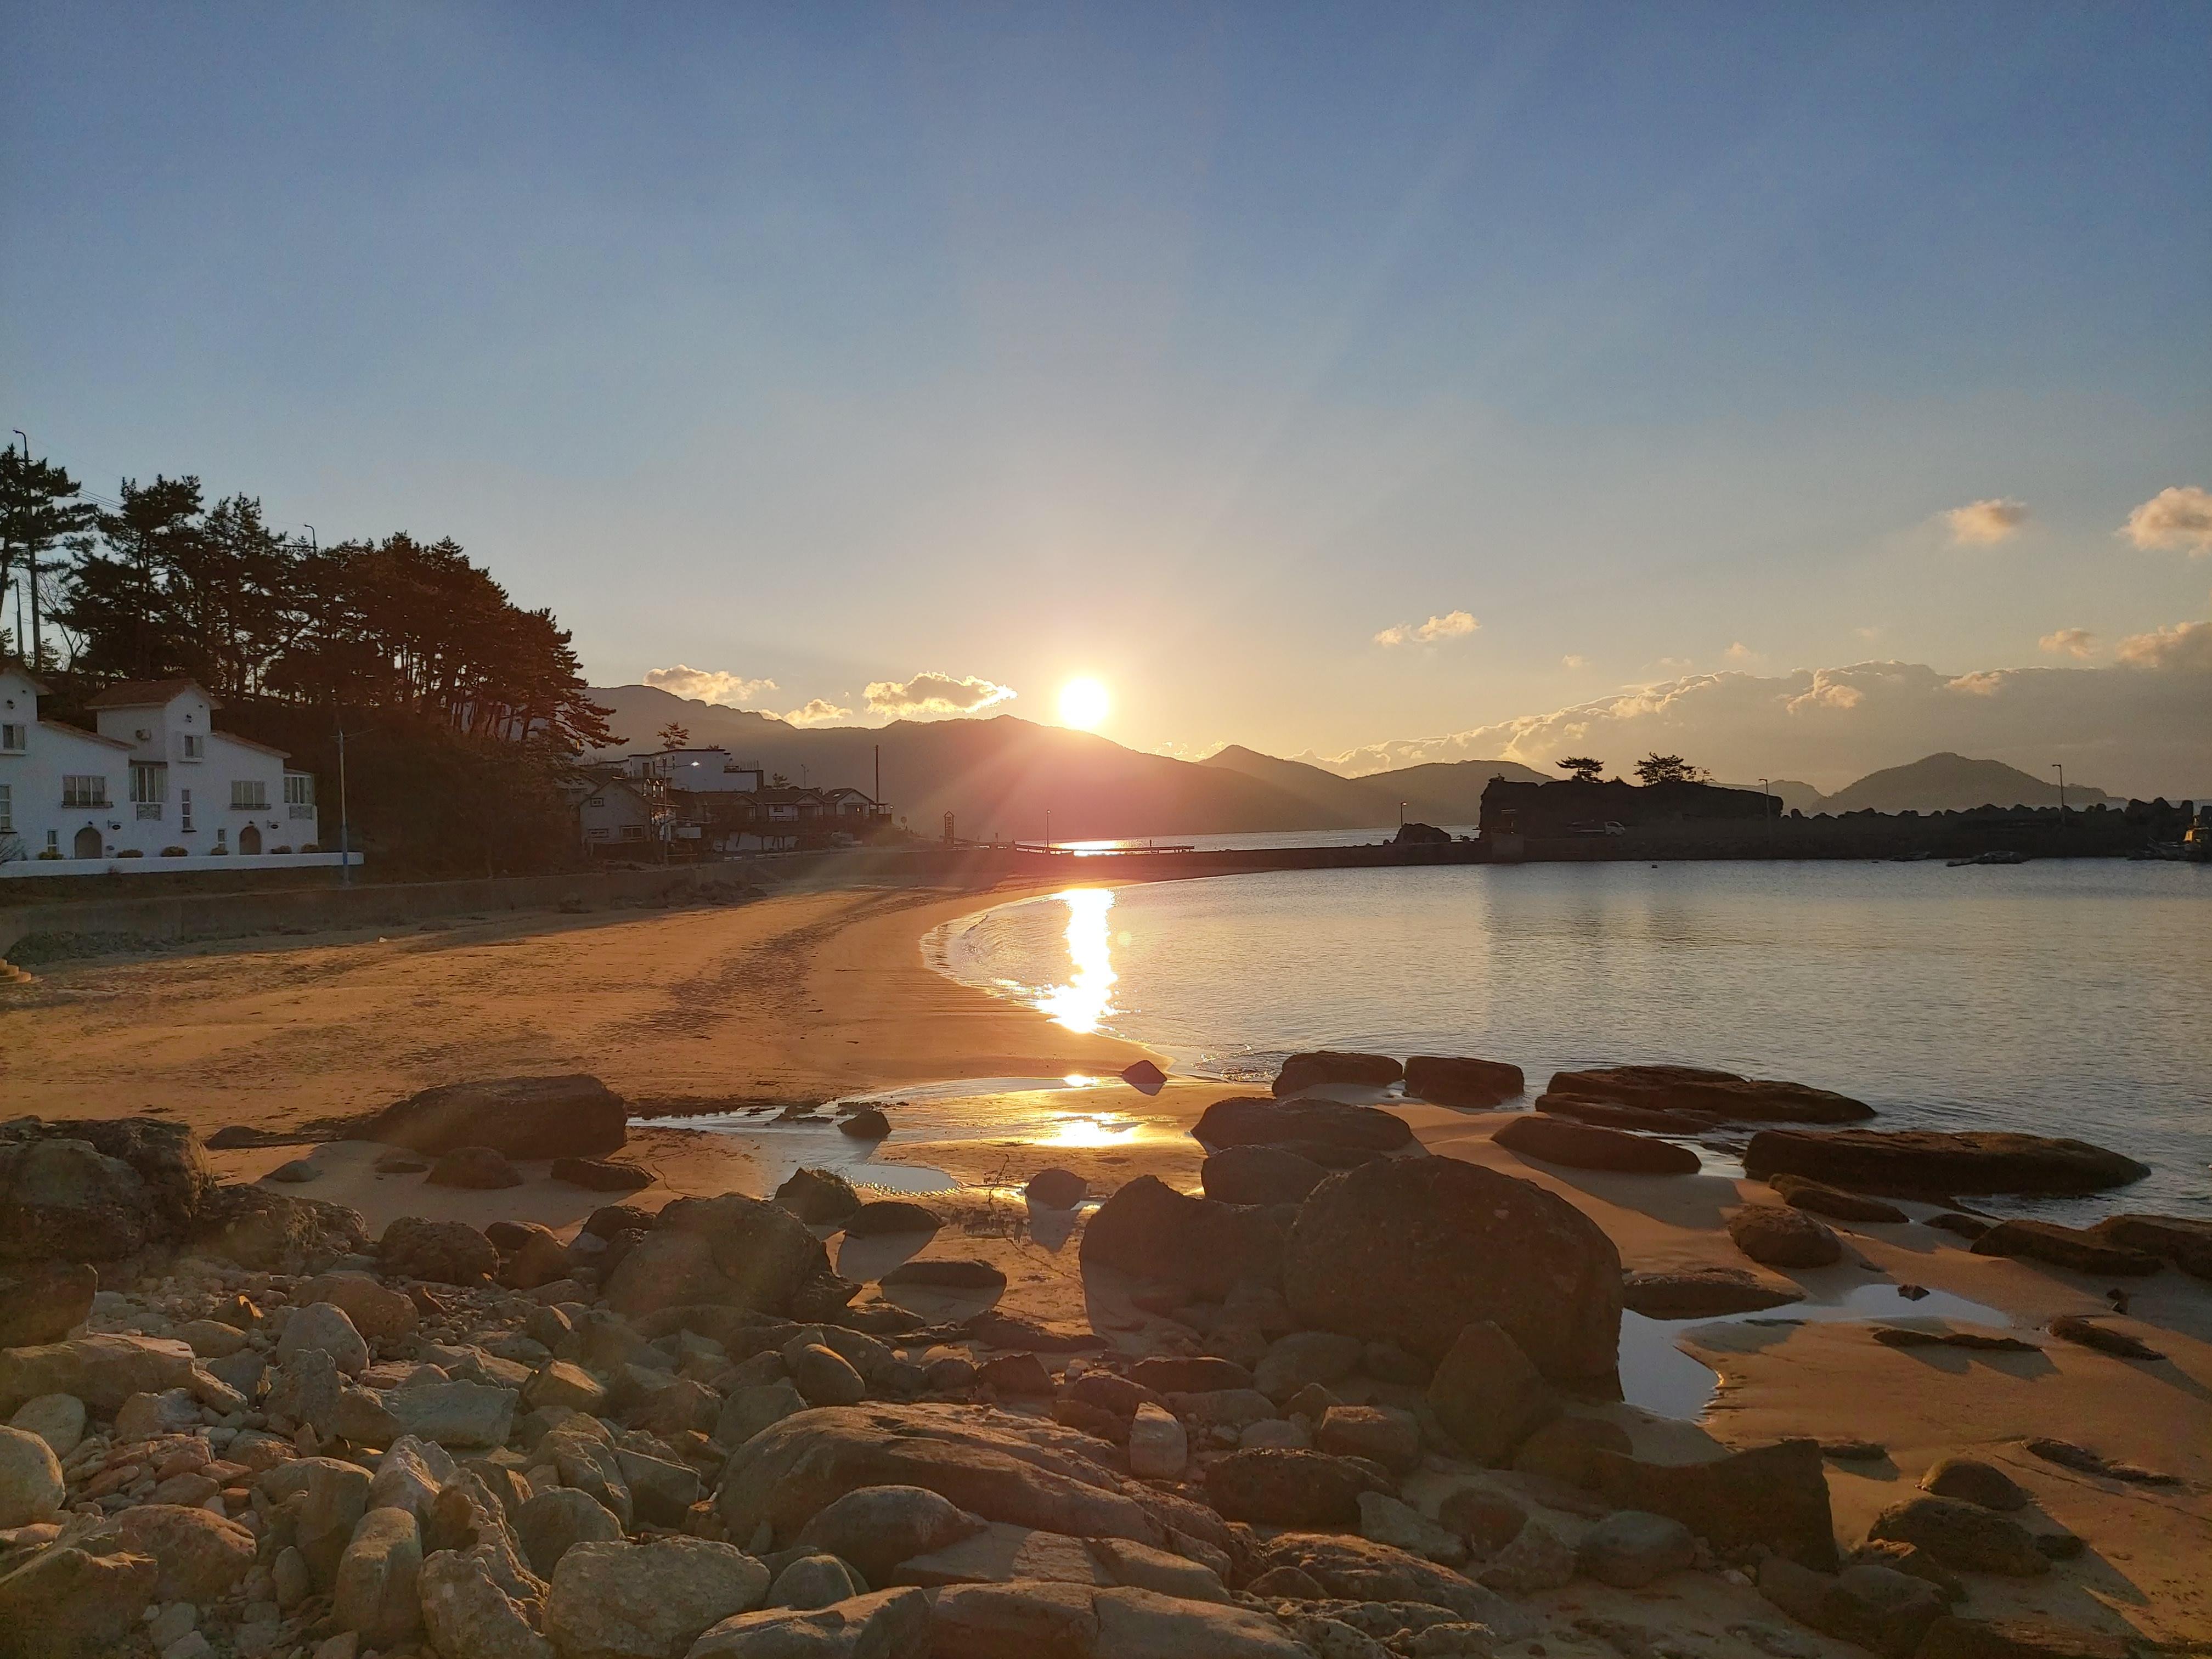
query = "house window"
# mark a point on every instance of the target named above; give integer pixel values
(7, 809)
(185, 810)
(84, 789)
(248, 795)
(53, 840)
(195, 746)
(299, 789)
(15, 737)
(149, 785)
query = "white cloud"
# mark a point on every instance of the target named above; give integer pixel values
(1452, 625)
(1571, 661)
(2176, 520)
(2138, 727)
(1983, 524)
(707, 684)
(1741, 653)
(2068, 643)
(819, 711)
(935, 694)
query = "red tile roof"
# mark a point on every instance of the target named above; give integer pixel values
(147, 694)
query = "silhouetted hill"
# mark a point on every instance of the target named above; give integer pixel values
(1953, 783)
(1441, 793)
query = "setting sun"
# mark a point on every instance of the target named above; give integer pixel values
(1083, 704)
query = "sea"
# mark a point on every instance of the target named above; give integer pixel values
(2062, 997)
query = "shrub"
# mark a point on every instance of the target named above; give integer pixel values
(130, 852)
(309, 846)
(176, 852)
(218, 852)
(47, 852)
(280, 849)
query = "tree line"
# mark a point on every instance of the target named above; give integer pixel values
(471, 704)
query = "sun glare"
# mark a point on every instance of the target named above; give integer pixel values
(1083, 704)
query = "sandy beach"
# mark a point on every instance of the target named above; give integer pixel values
(812, 996)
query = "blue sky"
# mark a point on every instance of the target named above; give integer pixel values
(1185, 346)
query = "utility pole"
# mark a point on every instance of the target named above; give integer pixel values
(31, 558)
(345, 829)
(2059, 767)
(1766, 794)
(879, 774)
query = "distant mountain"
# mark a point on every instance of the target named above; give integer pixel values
(1449, 791)
(1953, 783)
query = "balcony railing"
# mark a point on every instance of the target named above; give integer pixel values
(148, 809)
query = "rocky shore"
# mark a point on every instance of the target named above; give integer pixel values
(1349, 1400)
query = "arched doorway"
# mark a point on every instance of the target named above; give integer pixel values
(86, 845)
(249, 839)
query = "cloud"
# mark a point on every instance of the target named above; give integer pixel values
(1984, 524)
(2136, 727)
(707, 684)
(2175, 520)
(1741, 653)
(1452, 625)
(1571, 661)
(2068, 643)
(935, 694)
(820, 711)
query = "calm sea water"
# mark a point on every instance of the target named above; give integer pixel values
(2070, 997)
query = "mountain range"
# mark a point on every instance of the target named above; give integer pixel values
(1001, 776)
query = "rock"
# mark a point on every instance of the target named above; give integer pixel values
(1587, 1147)
(1973, 1481)
(812, 1582)
(454, 1414)
(1911, 1559)
(1148, 1230)
(1962, 1535)
(1288, 1488)
(2185, 1240)
(470, 1616)
(1949, 1637)
(867, 1124)
(891, 1215)
(1965, 1226)
(1325, 1067)
(475, 1167)
(31, 1486)
(1487, 1394)
(273, 1232)
(103, 1371)
(201, 1556)
(1702, 1293)
(56, 1419)
(1259, 1174)
(44, 1301)
(888, 1625)
(2069, 1248)
(1386, 1362)
(444, 1252)
(211, 1339)
(1013, 1470)
(1800, 1193)
(409, 1475)
(1775, 1496)
(2072, 1327)
(876, 1527)
(1470, 1085)
(1894, 1336)
(324, 1326)
(1412, 1250)
(1358, 1570)
(375, 1593)
(1158, 1445)
(538, 1258)
(1777, 1236)
(1879, 1608)
(815, 1196)
(1487, 1519)
(750, 1409)
(1001, 1330)
(1386, 1520)
(1566, 1449)
(732, 1251)
(520, 1117)
(1189, 1374)
(824, 1378)
(601, 1175)
(1909, 1161)
(1079, 1621)
(67, 1602)
(1538, 1559)
(143, 1416)
(562, 1388)
(1722, 1094)
(1014, 1373)
(298, 1171)
(1302, 1357)
(617, 1601)
(950, 1275)
(1275, 1433)
(1056, 1189)
(1630, 1548)
(1381, 1434)
(65, 1197)
(1254, 1120)
(378, 1312)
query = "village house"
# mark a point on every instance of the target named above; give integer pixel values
(155, 781)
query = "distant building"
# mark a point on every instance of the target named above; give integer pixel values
(623, 816)
(1568, 806)
(697, 771)
(156, 780)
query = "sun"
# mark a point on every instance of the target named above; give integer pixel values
(1083, 704)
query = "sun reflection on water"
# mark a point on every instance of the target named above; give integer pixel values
(1083, 1003)
(1085, 1131)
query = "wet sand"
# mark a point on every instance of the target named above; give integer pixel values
(811, 996)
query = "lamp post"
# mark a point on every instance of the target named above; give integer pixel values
(2059, 767)
(31, 559)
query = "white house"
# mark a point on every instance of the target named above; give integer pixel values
(155, 780)
(696, 771)
(619, 816)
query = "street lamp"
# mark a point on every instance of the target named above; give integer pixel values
(2059, 767)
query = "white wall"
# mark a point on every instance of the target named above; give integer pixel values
(60, 870)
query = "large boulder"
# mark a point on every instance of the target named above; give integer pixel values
(1254, 1120)
(732, 1251)
(524, 1117)
(31, 1487)
(202, 1556)
(2186, 1241)
(1776, 1235)
(444, 1252)
(274, 1232)
(1909, 1161)
(1775, 1496)
(876, 1527)
(1053, 1620)
(1469, 1084)
(103, 1371)
(650, 1600)
(1283, 1486)
(2071, 1248)
(1323, 1067)
(44, 1301)
(1150, 1231)
(818, 1196)
(892, 1624)
(1412, 1251)
(1963, 1535)
(1487, 1394)
(1702, 1293)
(1259, 1174)
(992, 1464)
(1353, 1569)
(66, 1602)
(39, 1194)
(1587, 1147)
(1724, 1094)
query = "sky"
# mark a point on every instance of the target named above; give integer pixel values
(1317, 378)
